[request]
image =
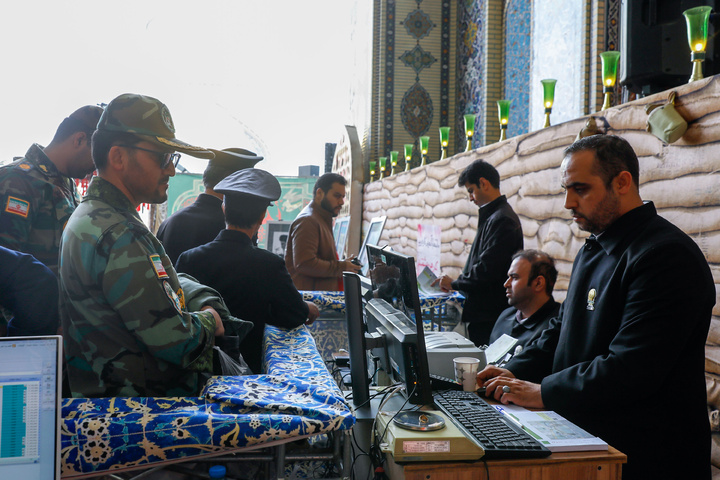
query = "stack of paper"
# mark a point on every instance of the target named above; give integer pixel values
(552, 430)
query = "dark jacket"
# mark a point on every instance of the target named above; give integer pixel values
(528, 331)
(254, 284)
(625, 357)
(29, 290)
(194, 225)
(499, 236)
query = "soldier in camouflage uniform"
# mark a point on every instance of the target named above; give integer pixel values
(38, 193)
(126, 328)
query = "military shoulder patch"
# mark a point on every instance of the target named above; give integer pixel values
(172, 296)
(17, 206)
(158, 266)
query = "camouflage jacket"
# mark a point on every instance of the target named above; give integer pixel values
(126, 329)
(37, 201)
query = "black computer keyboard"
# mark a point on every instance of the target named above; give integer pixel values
(498, 436)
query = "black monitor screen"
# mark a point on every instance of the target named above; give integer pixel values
(393, 279)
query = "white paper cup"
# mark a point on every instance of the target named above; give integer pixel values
(466, 370)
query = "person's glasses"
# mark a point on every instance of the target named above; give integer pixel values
(165, 159)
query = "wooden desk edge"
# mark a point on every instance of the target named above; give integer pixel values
(611, 456)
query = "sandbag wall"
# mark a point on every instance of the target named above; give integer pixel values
(682, 179)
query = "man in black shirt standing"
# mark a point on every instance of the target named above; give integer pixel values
(625, 358)
(499, 236)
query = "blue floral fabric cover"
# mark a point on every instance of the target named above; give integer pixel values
(335, 301)
(296, 398)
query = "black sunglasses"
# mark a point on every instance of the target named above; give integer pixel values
(165, 159)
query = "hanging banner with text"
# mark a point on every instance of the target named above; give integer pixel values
(428, 249)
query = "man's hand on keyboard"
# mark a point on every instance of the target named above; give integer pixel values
(502, 385)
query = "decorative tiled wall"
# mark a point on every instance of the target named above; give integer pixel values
(470, 49)
(520, 42)
(518, 53)
(414, 71)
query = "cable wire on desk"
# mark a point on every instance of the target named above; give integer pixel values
(376, 456)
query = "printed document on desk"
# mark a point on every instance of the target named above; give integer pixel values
(425, 280)
(553, 431)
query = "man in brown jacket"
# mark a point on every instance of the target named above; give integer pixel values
(310, 256)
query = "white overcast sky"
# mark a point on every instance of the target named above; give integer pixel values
(278, 68)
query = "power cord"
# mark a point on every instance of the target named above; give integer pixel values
(376, 456)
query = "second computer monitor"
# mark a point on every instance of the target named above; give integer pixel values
(393, 280)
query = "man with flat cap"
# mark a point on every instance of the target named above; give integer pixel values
(37, 192)
(199, 223)
(254, 282)
(126, 328)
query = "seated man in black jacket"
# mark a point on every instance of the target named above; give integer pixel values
(529, 287)
(254, 282)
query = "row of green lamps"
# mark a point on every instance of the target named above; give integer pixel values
(697, 31)
(382, 162)
(503, 118)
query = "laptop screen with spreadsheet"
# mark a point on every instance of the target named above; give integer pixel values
(30, 378)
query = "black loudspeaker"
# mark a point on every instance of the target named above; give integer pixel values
(654, 50)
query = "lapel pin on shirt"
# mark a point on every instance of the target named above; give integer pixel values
(591, 299)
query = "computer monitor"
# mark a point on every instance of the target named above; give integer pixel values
(354, 318)
(395, 311)
(30, 395)
(372, 237)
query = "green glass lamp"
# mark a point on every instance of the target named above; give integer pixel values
(383, 164)
(548, 98)
(609, 74)
(697, 30)
(393, 161)
(424, 145)
(372, 171)
(444, 141)
(408, 156)
(503, 116)
(469, 129)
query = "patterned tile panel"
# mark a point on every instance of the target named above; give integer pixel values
(518, 55)
(470, 49)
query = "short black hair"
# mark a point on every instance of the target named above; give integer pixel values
(541, 265)
(104, 140)
(477, 170)
(244, 211)
(613, 155)
(326, 181)
(84, 119)
(213, 174)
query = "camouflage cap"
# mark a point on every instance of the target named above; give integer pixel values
(149, 119)
(233, 159)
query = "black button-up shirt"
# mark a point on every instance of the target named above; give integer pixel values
(625, 357)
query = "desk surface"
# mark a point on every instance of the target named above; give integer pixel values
(561, 465)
